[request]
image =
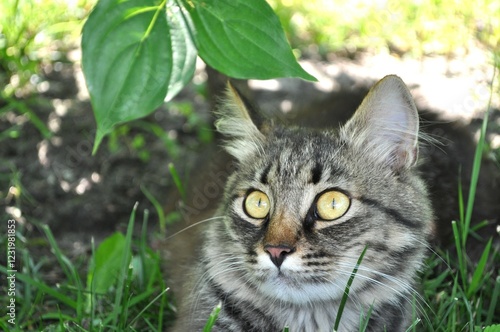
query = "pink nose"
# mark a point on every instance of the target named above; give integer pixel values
(278, 253)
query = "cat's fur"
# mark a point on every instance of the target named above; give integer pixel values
(372, 159)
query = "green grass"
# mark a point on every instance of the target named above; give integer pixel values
(122, 289)
(464, 296)
(29, 33)
(416, 28)
(347, 289)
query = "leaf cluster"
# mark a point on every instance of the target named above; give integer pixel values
(137, 54)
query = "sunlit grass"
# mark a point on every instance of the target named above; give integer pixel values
(414, 27)
(35, 33)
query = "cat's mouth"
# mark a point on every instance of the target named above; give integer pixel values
(286, 278)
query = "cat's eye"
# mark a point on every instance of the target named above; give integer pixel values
(257, 204)
(332, 205)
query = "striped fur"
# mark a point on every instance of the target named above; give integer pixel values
(372, 160)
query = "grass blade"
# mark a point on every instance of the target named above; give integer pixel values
(476, 166)
(460, 254)
(469, 312)
(363, 325)
(493, 304)
(91, 296)
(177, 181)
(479, 272)
(43, 287)
(66, 265)
(461, 208)
(413, 325)
(213, 317)
(118, 308)
(347, 288)
(158, 208)
(147, 306)
(22, 108)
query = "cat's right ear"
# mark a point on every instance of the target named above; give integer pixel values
(385, 125)
(239, 123)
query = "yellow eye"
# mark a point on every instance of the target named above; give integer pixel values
(257, 204)
(332, 205)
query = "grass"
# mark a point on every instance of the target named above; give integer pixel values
(417, 28)
(125, 290)
(122, 289)
(32, 34)
(464, 296)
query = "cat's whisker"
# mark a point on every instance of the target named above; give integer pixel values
(208, 276)
(406, 287)
(341, 288)
(193, 225)
(435, 253)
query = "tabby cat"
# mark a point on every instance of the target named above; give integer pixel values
(298, 211)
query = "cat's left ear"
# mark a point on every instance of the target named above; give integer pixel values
(386, 124)
(240, 123)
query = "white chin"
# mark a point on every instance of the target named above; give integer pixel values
(288, 289)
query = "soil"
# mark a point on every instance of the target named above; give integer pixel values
(56, 181)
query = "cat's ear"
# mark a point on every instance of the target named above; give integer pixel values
(386, 124)
(239, 122)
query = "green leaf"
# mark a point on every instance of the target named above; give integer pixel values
(107, 264)
(479, 273)
(183, 50)
(243, 39)
(492, 328)
(129, 60)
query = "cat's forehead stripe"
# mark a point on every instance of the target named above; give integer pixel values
(316, 172)
(264, 176)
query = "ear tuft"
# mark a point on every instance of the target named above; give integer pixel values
(385, 125)
(235, 122)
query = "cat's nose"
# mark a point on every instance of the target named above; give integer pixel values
(278, 253)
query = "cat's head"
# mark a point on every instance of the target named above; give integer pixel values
(303, 204)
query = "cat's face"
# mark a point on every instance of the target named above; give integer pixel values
(303, 205)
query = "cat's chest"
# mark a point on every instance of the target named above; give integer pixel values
(314, 318)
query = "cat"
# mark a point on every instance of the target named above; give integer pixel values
(300, 208)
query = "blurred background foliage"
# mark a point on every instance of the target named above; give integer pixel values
(34, 33)
(416, 28)
(36, 36)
